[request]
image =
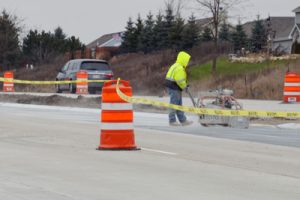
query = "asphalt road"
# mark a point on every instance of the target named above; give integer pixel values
(49, 153)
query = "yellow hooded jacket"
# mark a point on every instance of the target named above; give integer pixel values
(176, 77)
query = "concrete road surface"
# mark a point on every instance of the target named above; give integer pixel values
(49, 153)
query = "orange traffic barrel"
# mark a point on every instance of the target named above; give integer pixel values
(8, 85)
(292, 88)
(117, 131)
(82, 86)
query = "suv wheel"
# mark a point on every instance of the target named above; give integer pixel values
(57, 88)
(92, 91)
(72, 88)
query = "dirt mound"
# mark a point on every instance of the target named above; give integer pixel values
(53, 100)
(80, 101)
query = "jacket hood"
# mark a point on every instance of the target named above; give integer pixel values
(183, 58)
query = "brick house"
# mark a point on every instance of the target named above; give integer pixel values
(105, 46)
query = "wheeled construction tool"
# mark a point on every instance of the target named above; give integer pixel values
(220, 99)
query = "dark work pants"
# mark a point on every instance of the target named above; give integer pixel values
(176, 98)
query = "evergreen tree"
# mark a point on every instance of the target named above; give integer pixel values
(73, 44)
(158, 32)
(190, 33)
(129, 39)
(31, 46)
(147, 36)
(42, 47)
(47, 45)
(169, 23)
(259, 36)
(224, 32)
(60, 37)
(9, 40)
(177, 33)
(139, 27)
(239, 38)
(206, 35)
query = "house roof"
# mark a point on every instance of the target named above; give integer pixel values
(295, 28)
(296, 10)
(203, 22)
(280, 26)
(107, 40)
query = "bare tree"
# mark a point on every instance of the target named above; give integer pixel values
(218, 10)
(176, 5)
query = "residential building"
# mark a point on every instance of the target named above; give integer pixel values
(289, 37)
(105, 46)
(283, 32)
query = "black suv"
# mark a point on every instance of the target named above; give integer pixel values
(96, 69)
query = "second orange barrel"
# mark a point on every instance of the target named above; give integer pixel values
(82, 87)
(292, 87)
(8, 85)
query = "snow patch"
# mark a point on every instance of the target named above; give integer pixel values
(289, 126)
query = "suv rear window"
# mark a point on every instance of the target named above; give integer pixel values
(94, 66)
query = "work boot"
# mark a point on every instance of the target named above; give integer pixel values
(186, 123)
(174, 124)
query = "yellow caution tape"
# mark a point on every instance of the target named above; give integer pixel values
(205, 111)
(49, 82)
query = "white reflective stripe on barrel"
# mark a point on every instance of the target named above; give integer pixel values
(81, 79)
(292, 84)
(291, 93)
(82, 86)
(116, 126)
(8, 84)
(116, 106)
(292, 99)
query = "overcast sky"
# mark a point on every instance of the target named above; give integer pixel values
(89, 19)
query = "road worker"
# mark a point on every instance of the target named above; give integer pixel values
(176, 82)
